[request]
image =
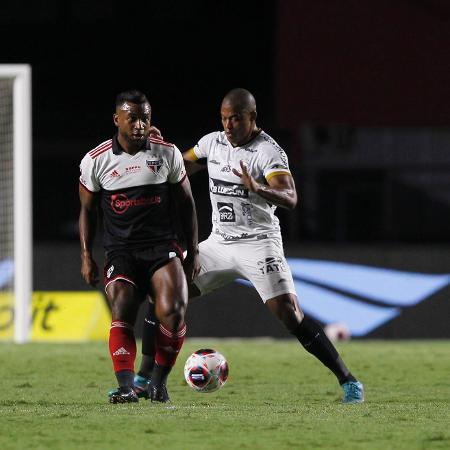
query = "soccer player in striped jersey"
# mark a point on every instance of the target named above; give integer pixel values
(134, 179)
(249, 177)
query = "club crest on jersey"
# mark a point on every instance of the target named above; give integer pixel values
(154, 164)
(271, 265)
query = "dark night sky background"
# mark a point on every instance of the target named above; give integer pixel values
(360, 63)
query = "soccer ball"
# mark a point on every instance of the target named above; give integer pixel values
(337, 332)
(206, 370)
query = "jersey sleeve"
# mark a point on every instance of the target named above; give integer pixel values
(201, 149)
(177, 170)
(88, 177)
(274, 161)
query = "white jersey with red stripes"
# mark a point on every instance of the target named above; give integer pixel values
(107, 167)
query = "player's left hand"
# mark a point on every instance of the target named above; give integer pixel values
(155, 133)
(245, 176)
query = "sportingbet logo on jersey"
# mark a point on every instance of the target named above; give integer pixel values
(226, 212)
(154, 164)
(229, 189)
(271, 265)
(120, 203)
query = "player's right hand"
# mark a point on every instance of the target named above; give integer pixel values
(89, 271)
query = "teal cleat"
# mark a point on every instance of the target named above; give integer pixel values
(353, 392)
(140, 388)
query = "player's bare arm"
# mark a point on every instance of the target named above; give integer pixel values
(183, 197)
(87, 225)
(280, 191)
(191, 162)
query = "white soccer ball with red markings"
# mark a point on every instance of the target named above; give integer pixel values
(206, 370)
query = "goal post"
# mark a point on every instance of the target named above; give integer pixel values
(16, 194)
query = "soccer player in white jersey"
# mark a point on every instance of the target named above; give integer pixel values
(249, 177)
(134, 179)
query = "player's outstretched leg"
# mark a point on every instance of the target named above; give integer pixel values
(312, 337)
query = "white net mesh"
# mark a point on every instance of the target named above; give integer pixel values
(6, 185)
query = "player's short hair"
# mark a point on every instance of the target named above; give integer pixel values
(132, 96)
(241, 99)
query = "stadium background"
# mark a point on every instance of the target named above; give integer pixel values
(357, 93)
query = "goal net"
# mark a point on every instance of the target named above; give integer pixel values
(15, 202)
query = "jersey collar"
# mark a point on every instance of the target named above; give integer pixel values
(118, 149)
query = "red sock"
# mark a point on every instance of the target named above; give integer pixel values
(122, 346)
(168, 344)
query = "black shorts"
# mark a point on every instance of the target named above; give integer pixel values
(138, 266)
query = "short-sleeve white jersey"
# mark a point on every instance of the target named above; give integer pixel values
(237, 213)
(107, 167)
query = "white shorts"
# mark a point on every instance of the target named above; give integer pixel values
(260, 262)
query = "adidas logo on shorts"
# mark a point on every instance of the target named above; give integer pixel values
(110, 271)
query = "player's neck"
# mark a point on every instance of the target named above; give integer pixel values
(250, 137)
(128, 147)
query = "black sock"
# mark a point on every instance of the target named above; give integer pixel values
(148, 341)
(147, 363)
(160, 373)
(125, 378)
(311, 335)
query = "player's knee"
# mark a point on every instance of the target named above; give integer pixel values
(173, 311)
(123, 301)
(123, 311)
(286, 309)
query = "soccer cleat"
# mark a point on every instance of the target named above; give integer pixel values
(353, 392)
(140, 386)
(123, 395)
(158, 393)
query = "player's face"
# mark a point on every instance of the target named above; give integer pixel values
(133, 122)
(238, 124)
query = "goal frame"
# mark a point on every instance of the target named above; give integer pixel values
(22, 193)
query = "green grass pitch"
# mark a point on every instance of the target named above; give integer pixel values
(53, 396)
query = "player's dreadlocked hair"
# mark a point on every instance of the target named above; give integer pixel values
(132, 96)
